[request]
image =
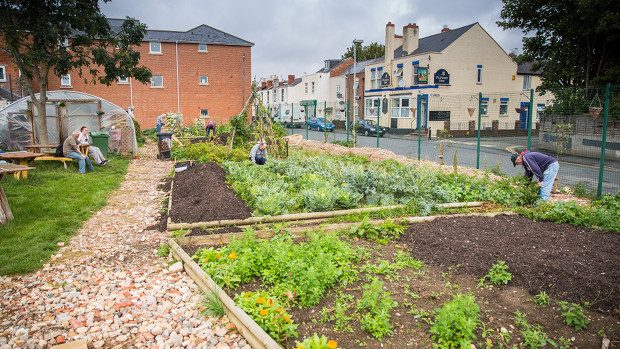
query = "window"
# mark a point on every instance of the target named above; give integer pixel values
(379, 73)
(372, 107)
(540, 107)
(337, 88)
(157, 81)
(400, 107)
(373, 78)
(65, 80)
(484, 107)
(527, 82)
(204, 112)
(313, 87)
(416, 65)
(203, 80)
(503, 106)
(155, 47)
(123, 80)
(267, 97)
(275, 96)
(479, 74)
(282, 95)
(202, 47)
(306, 88)
(2, 73)
(398, 75)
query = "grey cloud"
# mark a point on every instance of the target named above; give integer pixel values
(293, 37)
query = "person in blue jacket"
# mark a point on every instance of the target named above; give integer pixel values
(544, 167)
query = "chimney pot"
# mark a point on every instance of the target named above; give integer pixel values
(389, 24)
(445, 29)
(263, 84)
(291, 79)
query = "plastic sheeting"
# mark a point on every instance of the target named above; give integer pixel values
(73, 110)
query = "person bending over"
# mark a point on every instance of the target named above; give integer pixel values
(258, 154)
(544, 167)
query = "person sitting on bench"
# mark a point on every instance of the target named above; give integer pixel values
(71, 149)
(94, 151)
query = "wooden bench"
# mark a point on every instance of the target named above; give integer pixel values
(54, 158)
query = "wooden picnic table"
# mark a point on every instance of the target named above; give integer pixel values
(20, 158)
(37, 148)
(5, 210)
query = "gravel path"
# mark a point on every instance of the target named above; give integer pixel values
(109, 287)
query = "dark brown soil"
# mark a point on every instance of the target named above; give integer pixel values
(569, 263)
(163, 212)
(200, 194)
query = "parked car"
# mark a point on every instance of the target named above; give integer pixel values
(319, 125)
(369, 128)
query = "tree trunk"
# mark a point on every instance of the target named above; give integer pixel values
(41, 118)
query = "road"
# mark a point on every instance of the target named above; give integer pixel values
(494, 155)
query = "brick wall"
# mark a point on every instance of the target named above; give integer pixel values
(224, 96)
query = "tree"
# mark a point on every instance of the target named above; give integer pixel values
(573, 42)
(60, 36)
(374, 50)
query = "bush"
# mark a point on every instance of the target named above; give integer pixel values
(268, 313)
(208, 152)
(456, 322)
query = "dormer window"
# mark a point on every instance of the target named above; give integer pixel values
(202, 48)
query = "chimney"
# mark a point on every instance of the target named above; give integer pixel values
(291, 79)
(389, 43)
(411, 38)
(269, 83)
(445, 29)
(263, 85)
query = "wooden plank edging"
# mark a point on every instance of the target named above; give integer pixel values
(304, 216)
(249, 329)
(222, 239)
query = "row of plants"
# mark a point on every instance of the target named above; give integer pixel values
(290, 274)
(307, 182)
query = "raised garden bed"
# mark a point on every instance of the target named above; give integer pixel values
(456, 253)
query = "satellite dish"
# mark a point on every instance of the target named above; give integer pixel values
(341, 102)
(339, 95)
(287, 112)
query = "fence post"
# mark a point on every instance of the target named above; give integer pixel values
(378, 121)
(479, 120)
(306, 113)
(419, 125)
(601, 169)
(292, 112)
(346, 125)
(529, 120)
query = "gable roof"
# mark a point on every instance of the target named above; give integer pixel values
(437, 42)
(331, 64)
(203, 34)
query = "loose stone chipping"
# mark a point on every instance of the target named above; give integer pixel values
(109, 287)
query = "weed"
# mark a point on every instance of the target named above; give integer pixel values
(316, 342)
(377, 304)
(580, 190)
(534, 336)
(268, 313)
(573, 315)
(497, 275)
(383, 233)
(213, 306)
(542, 299)
(179, 233)
(163, 250)
(456, 322)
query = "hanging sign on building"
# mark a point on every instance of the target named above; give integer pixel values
(385, 80)
(422, 75)
(384, 106)
(442, 77)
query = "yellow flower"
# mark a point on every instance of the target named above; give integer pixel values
(300, 346)
(248, 294)
(232, 255)
(263, 312)
(280, 310)
(287, 319)
(261, 300)
(218, 255)
(332, 344)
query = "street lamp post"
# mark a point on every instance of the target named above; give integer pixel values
(355, 108)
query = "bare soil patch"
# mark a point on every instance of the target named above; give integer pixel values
(200, 194)
(570, 263)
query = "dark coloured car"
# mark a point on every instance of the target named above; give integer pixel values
(319, 125)
(369, 128)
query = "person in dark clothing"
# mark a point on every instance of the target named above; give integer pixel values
(544, 167)
(210, 129)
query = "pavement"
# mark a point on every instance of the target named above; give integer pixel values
(494, 156)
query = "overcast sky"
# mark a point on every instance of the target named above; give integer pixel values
(296, 36)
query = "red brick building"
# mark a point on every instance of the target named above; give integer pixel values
(202, 70)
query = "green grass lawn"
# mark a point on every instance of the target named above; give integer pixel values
(49, 207)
